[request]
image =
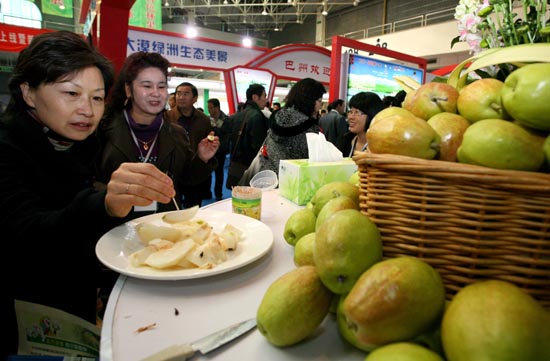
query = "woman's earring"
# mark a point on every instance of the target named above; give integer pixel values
(126, 101)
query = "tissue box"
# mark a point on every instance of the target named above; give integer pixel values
(299, 179)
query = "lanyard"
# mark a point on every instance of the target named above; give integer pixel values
(146, 158)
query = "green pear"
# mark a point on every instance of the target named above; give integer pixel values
(355, 179)
(500, 144)
(495, 320)
(451, 128)
(334, 205)
(293, 307)
(403, 135)
(395, 300)
(346, 245)
(432, 98)
(546, 150)
(332, 190)
(303, 250)
(384, 113)
(345, 328)
(300, 223)
(526, 94)
(403, 351)
(481, 99)
(408, 101)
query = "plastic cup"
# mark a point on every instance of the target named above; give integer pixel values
(247, 201)
(265, 180)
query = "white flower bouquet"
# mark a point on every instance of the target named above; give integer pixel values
(486, 24)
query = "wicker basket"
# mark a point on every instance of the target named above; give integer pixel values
(468, 222)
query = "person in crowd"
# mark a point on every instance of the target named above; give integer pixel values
(334, 124)
(197, 125)
(395, 100)
(172, 101)
(240, 107)
(135, 129)
(267, 110)
(249, 130)
(222, 128)
(276, 106)
(286, 138)
(52, 215)
(322, 112)
(363, 106)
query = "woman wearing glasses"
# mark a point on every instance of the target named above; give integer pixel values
(363, 107)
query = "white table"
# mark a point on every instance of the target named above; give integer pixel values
(208, 304)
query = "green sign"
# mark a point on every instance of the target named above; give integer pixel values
(63, 8)
(146, 14)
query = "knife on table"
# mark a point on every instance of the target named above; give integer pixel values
(205, 344)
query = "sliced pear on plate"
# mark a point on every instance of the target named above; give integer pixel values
(149, 231)
(168, 257)
(138, 258)
(181, 215)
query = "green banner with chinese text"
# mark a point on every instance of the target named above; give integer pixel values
(63, 8)
(146, 14)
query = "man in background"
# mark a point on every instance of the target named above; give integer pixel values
(334, 124)
(197, 126)
(246, 140)
(222, 128)
(172, 101)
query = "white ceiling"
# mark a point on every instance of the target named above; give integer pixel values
(242, 16)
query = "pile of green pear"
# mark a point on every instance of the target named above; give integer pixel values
(489, 122)
(392, 309)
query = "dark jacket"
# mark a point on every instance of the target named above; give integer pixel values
(334, 126)
(175, 155)
(287, 137)
(224, 132)
(197, 127)
(51, 219)
(253, 135)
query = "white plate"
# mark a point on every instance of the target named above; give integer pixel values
(116, 245)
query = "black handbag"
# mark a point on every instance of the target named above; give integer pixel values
(237, 165)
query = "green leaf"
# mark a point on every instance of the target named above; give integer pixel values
(454, 41)
(517, 55)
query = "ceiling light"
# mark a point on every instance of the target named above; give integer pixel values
(191, 32)
(166, 3)
(247, 42)
(225, 2)
(264, 12)
(324, 13)
(355, 2)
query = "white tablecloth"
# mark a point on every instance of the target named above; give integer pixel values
(208, 304)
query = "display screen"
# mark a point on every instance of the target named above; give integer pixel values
(377, 76)
(244, 77)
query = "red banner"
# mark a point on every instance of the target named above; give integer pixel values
(16, 38)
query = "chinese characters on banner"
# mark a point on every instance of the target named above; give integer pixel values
(16, 38)
(191, 52)
(306, 69)
(146, 14)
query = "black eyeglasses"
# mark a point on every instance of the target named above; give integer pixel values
(355, 112)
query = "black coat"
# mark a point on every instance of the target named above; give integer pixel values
(175, 155)
(51, 219)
